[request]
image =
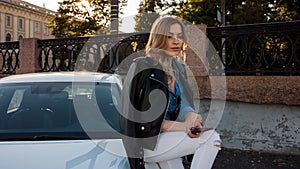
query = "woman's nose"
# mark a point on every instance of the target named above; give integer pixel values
(175, 40)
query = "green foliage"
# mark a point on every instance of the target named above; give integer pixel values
(285, 11)
(237, 11)
(82, 17)
(261, 11)
(147, 14)
(195, 11)
(247, 12)
(75, 18)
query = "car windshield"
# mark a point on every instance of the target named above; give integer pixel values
(49, 110)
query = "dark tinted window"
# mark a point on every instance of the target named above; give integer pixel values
(59, 107)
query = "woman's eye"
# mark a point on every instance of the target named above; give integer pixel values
(169, 37)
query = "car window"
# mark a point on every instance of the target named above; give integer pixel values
(59, 107)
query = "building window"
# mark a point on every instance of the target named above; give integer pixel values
(36, 27)
(45, 30)
(8, 37)
(20, 23)
(20, 37)
(8, 21)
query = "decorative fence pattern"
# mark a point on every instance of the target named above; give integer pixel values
(258, 49)
(9, 59)
(100, 53)
(255, 50)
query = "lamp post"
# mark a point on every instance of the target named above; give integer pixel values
(223, 12)
(114, 29)
(114, 15)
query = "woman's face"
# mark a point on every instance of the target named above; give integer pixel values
(174, 40)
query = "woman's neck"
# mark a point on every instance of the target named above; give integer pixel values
(169, 59)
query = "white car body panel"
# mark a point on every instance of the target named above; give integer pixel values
(70, 154)
(63, 154)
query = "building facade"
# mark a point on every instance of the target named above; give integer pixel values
(19, 19)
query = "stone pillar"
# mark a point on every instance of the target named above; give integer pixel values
(196, 57)
(29, 56)
(15, 28)
(27, 28)
(196, 51)
(2, 27)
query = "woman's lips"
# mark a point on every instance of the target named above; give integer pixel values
(175, 48)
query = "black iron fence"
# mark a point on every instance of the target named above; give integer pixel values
(258, 49)
(101, 53)
(9, 59)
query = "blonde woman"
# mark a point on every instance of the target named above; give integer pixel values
(165, 136)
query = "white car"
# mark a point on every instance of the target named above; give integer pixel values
(61, 121)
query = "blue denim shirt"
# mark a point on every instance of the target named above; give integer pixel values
(184, 105)
(173, 101)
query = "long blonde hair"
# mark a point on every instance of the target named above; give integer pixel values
(157, 44)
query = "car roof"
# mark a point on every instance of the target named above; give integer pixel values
(63, 77)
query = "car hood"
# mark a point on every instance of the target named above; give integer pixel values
(71, 154)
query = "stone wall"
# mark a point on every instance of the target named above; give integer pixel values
(272, 128)
(256, 89)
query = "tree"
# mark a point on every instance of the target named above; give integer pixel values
(246, 11)
(205, 11)
(261, 11)
(195, 11)
(285, 11)
(148, 12)
(82, 17)
(237, 11)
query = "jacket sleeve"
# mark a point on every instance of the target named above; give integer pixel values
(185, 107)
(128, 128)
(138, 131)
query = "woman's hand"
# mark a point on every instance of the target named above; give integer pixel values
(199, 119)
(196, 125)
(193, 120)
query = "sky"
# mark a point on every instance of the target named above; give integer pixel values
(127, 18)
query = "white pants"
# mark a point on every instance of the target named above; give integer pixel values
(171, 146)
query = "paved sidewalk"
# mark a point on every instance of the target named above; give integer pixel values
(237, 159)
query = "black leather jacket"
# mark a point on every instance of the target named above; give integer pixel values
(145, 99)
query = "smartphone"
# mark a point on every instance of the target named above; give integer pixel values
(199, 130)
